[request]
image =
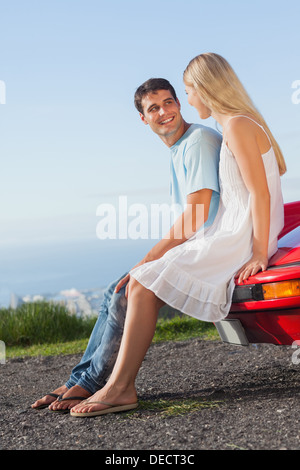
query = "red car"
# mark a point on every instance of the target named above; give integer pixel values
(266, 307)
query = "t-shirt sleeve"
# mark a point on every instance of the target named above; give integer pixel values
(202, 167)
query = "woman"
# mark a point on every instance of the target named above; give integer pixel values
(197, 277)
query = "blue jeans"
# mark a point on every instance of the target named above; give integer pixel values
(100, 355)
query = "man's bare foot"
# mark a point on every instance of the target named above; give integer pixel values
(64, 404)
(48, 399)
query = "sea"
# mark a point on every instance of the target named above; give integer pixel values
(76, 272)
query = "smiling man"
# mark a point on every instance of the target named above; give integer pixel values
(194, 180)
(194, 148)
(161, 110)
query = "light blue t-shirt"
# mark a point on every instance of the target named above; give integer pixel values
(195, 165)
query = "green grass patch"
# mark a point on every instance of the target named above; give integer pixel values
(181, 328)
(173, 407)
(40, 323)
(48, 349)
(44, 328)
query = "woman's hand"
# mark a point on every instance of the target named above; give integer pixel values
(255, 264)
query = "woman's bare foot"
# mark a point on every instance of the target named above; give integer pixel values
(48, 399)
(75, 391)
(109, 395)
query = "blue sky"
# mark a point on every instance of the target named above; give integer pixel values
(71, 138)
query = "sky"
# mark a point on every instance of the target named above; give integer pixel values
(70, 137)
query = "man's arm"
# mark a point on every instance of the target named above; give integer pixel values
(186, 225)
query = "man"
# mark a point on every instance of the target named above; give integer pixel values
(194, 180)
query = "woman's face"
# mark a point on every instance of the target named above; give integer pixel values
(195, 101)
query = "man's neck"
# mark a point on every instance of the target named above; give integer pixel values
(172, 139)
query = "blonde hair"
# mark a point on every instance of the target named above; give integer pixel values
(221, 90)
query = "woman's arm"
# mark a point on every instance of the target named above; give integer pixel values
(246, 144)
(187, 224)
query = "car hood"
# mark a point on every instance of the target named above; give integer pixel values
(284, 264)
(288, 249)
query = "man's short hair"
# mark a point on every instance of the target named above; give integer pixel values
(151, 86)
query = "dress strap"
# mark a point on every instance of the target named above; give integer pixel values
(242, 115)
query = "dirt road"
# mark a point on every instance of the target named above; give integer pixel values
(249, 399)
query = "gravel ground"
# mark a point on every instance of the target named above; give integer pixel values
(252, 397)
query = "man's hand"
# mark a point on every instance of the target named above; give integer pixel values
(122, 282)
(126, 280)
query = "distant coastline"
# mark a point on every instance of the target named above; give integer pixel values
(84, 303)
(55, 270)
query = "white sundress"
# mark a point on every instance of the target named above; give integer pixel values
(197, 277)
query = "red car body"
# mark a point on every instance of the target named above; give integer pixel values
(275, 320)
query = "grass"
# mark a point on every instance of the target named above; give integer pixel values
(181, 328)
(44, 328)
(41, 322)
(168, 408)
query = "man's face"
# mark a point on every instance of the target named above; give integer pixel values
(162, 113)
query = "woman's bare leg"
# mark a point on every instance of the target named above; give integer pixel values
(140, 323)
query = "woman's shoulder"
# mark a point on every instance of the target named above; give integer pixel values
(243, 128)
(246, 132)
(240, 122)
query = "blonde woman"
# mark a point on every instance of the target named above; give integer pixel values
(249, 152)
(197, 277)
